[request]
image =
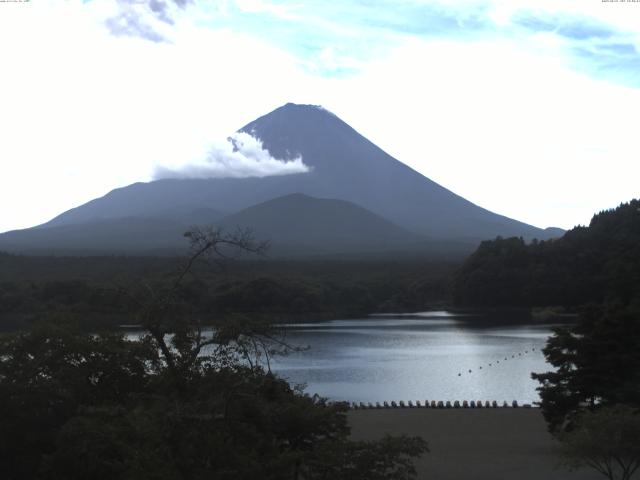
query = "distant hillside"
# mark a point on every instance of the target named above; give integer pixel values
(588, 264)
(295, 225)
(161, 234)
(320, 225)
(107, 236)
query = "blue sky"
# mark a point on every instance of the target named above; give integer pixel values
(357, 31)
(527, 108)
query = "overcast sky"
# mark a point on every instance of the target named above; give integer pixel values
(528, 108)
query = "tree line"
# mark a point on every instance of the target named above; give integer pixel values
(594, 264)
(591, 400)
(180, 403)
(281, 291)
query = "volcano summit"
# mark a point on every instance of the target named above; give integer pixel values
(384, 205)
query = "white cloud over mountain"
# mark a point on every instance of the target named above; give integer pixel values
(240, 156)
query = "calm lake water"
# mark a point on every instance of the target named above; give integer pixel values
(422, 356)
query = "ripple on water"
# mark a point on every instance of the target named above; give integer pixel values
(431, 355)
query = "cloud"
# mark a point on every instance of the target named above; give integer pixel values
(466, 92)
(145, 19)
(241, 156)
(84, 111)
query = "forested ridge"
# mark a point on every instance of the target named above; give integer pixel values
(595, 271)
(97, 288)
(593, 264)
(595, 379)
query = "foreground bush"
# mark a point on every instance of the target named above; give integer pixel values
(176, 403)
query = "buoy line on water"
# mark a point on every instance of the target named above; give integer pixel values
(515, 355)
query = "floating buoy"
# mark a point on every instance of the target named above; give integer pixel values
(469, 370)
(459, 374)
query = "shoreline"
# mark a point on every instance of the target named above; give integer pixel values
(440, 404)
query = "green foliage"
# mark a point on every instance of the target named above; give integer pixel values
(48, 374)
(597, 363)
(32, 288)
(180, 403)
(606, 440)
(588, 264)
(75, 406)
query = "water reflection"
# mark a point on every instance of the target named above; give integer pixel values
(431, 355)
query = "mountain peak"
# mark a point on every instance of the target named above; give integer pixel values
(303, 106)
(292, 115)
(319, 136)
(344, 166)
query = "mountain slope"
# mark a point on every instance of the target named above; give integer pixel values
(320, 224)
(344, 165)
(348, 166)
(293, 224)
(160, 234)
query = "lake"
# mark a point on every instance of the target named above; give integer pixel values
(435, 355)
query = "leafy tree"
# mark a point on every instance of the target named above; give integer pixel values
(179, 403)
(49, 374)
(597, 363)
(607, 440)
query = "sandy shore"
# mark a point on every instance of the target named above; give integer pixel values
(473, 444)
